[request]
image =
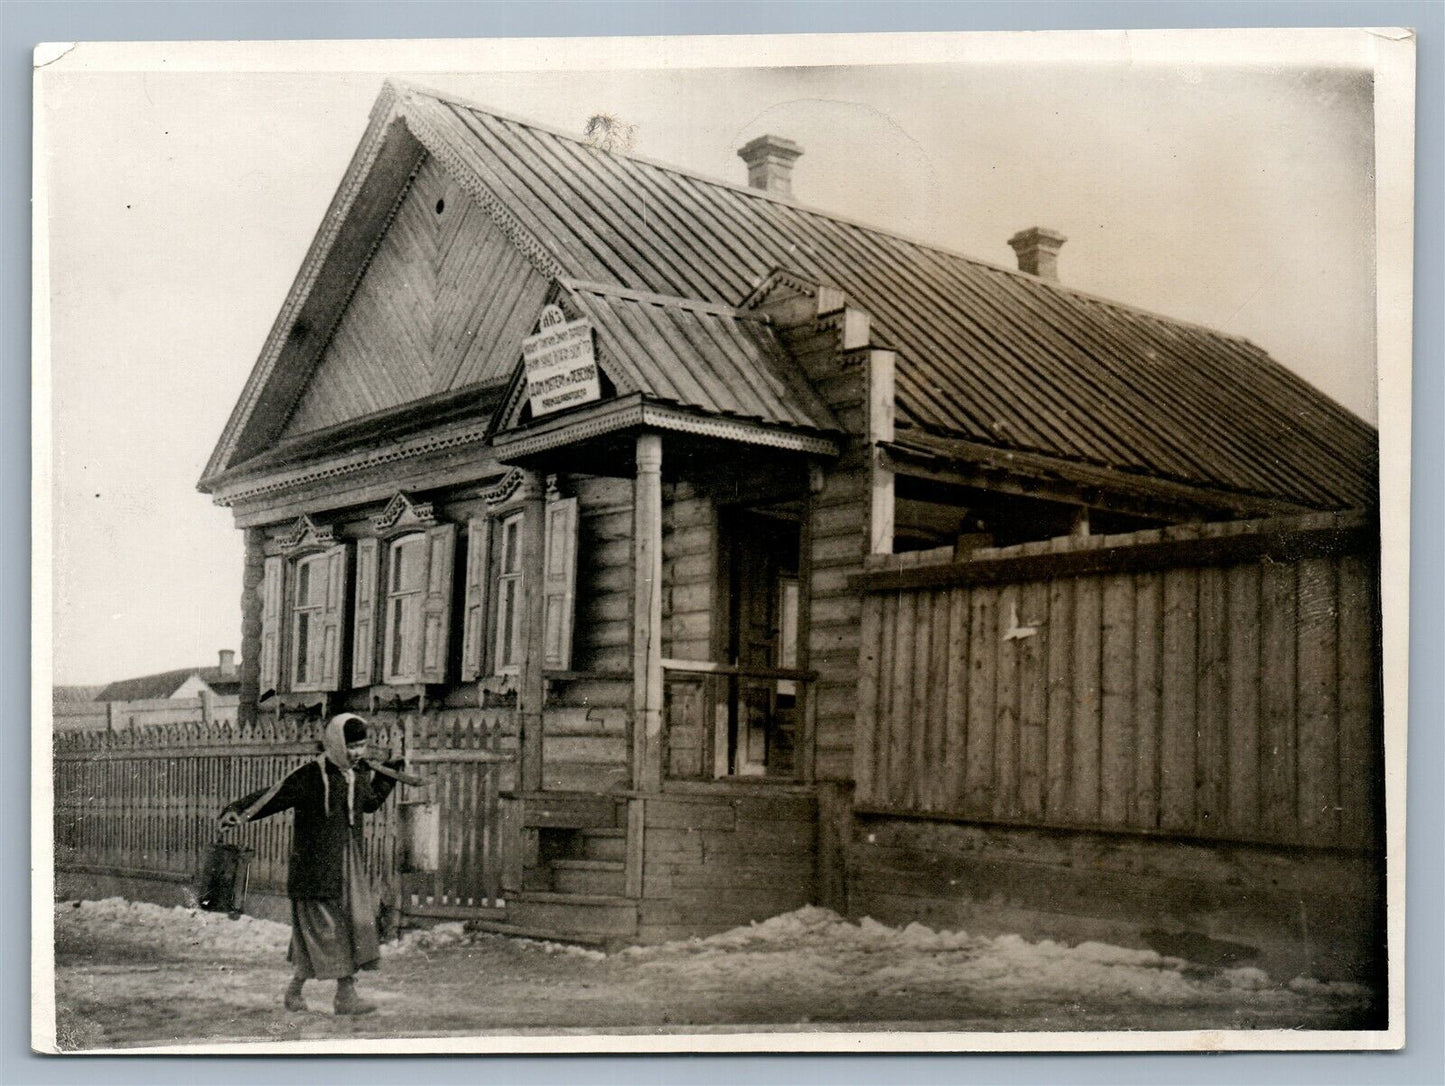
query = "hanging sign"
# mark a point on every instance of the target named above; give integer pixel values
(560, 362)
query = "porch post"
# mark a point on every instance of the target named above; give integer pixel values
(647, 690)
(531, 686)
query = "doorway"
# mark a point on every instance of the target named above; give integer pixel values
(761, 560)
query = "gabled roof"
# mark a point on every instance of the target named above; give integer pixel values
(166, 683)
(984, 354)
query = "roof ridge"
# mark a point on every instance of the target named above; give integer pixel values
(403, 88)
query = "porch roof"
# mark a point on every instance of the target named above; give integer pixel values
(704, 356)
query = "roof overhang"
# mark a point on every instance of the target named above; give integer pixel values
(967, 463)
(636, 413)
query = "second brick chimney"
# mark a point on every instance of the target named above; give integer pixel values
(1038, 251)
(770, 163)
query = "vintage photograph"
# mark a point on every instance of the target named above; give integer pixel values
(762, 543)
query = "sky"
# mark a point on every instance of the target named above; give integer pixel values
(179, 204)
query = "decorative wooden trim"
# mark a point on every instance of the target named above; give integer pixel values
(604, 418)
(503, 492)
(473, 434)
(772, 280)
(403, 514)
(305, 534)
(527, 243)
(665, 418)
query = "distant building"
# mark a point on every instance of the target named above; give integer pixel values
(223, 680)
(75, 695)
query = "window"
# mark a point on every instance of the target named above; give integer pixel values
(306, 621)
(406, 582)
(401, 630)
(509, 595)
(303, 599)
(496, 571)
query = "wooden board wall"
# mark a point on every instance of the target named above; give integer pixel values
(443, 303)
(1236, 702)
(712, 862)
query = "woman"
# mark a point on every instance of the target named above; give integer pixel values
(333, 916)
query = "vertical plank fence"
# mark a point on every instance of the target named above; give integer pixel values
(143, 802)
(1215, 681)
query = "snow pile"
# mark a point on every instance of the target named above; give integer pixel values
(427, 939)
(817, 948)
(177, 930)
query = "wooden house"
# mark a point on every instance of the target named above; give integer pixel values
(611, 450)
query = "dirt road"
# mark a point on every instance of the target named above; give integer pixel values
(130, 974)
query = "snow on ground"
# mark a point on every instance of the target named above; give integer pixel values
(824, 948)
(811, 948)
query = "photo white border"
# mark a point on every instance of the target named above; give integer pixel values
(1389, 53)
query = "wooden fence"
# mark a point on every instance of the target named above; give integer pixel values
(143, 802)
(1216, 681)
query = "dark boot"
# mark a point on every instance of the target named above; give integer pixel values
(295, 1001)
(347, 1001)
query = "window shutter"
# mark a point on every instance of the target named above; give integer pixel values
(363, 635)
(331, 616)
(559, 583)
(437, 606)
(271, 622)
(474, 619)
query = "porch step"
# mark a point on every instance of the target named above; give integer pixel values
(603, 877)
(600, 844)
(573, 914)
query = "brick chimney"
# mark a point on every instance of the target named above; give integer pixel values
(770, 163)
(1038, 251)
(227, 663)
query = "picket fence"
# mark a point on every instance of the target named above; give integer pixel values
(143, 802)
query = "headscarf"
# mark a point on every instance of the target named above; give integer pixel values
(341, 729)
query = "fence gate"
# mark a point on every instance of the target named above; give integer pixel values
(449, 857)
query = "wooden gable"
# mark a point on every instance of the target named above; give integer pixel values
(443, 303)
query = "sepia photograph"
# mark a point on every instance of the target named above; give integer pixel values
(868, 543)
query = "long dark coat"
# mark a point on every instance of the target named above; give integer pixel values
(318, 839)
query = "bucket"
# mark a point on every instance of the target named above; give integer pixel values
(421, 835)
(225, 876)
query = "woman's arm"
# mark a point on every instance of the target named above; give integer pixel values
(379, 786)
(272, 799)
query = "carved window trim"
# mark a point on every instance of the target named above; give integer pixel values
(306, 535)
(403, 514)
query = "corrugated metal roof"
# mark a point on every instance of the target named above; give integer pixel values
(984, 353)
(699, 354)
